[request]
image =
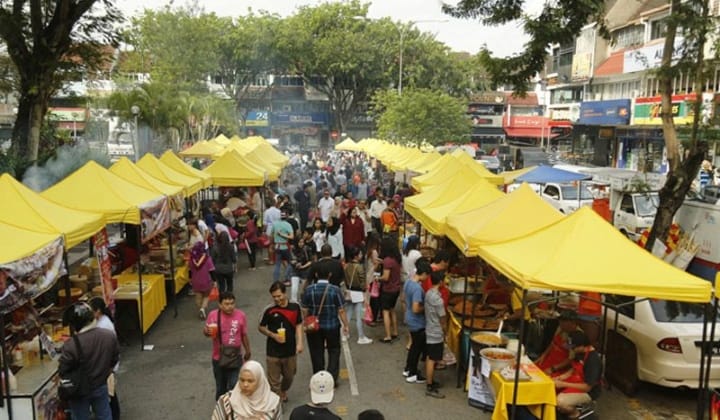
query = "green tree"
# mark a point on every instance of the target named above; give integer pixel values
(247, 51)
(178, 46)
(338, 52)
(47, 42)
(561, 22)
(420, 116)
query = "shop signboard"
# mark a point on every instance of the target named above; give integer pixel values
(646, 111)
(528, 122)
(101, 245)
(566, 113)
(257, 118)
(650, 56)
(486, 121)
(67, 114)
(614, 112)
(300, 118)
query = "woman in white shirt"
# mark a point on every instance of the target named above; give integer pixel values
(410, 255)
(334, 238)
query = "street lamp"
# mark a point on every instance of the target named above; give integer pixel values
(135, 111)
(403, 30)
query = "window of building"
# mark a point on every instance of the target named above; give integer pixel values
(657, 29)
(628, 36)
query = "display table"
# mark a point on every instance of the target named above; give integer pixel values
(182, 277)
(36, 394)
(154, 300)
(537, 394)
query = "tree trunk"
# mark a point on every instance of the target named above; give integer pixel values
(26, 132)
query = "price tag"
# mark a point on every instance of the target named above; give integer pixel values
(484, 368)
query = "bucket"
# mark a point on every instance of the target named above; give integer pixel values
(75, 294)
(498, 358)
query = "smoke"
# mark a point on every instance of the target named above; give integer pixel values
(67, 159)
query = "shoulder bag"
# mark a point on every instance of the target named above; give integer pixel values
(74, 384)
(311, 323)
(354, 296)
(230, 356)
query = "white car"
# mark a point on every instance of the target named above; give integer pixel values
(656, 341)
(564, 197)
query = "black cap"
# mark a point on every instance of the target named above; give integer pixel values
(578, 338)
(568, 315)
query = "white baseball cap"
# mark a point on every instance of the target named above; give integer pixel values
(322, 387)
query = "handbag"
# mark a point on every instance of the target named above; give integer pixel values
(214, 294)
(353, 296)
(74, 384)
(368, 318)
(230, 356)
(311, 323)
(375, 289)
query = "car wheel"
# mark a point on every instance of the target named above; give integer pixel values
(621, 363)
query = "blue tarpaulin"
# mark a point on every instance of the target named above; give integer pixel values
(543, 174)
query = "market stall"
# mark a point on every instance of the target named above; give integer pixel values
(94, 188)
(201, 149)
(28, 269)
(127, 170)
(530, 263)
(173, 161)
(166, 174)
(233, 170)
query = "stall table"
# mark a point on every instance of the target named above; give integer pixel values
(36, 394)
(538, 394)
(154, 300)
(182, 277)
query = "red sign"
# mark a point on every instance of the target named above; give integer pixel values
(101, 244)
(691, 97)
(334, 135)
(528, 122)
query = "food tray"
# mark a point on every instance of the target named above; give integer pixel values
(508, 374)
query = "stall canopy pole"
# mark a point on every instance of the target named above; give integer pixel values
(172, 269)
(462, 330)
(5, 370)
(140, 288)
(67, 276)
(701, 380)
(704, 390)
(521, 340)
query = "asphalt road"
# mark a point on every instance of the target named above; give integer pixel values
(174, 380)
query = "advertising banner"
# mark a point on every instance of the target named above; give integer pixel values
(30, 276)
(257, 119)
(646, 111)
(155, 217)
(102, 244)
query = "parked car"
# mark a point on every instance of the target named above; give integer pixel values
(564, 197)
(656, 341)
(491, 163)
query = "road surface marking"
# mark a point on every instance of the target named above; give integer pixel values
(350, 369)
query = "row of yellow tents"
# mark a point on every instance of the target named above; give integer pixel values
(527, 239)
(85, 201)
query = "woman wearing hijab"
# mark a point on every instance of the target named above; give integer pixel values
(251, 399)
(200, 266)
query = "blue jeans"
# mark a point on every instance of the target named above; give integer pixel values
(280, 256)
(98, 399)
(225, 379)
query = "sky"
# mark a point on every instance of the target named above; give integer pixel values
(459, 34)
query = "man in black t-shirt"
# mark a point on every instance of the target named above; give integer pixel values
(282, 324)
(581, 384)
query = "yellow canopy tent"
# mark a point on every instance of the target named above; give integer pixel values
(221, 140)
(271, 154)
(425, 160)
(252, 157)
(479, 168)
(582, 252)
(433, 218)
(431, 165)
(232, 170)
(173, 161)
(202, 149)
(402, 159)
(446, 191)
(166, 174)
(94, 188)
(21, 243)
(28, 210)
(511, 216)
(347, 144)
(130, 172)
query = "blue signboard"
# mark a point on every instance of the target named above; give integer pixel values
(614, 112)
(300, 118)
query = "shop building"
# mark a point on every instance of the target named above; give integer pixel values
(486, 111)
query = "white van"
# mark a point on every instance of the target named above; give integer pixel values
(567, 197)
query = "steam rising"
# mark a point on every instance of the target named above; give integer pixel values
(67, 159)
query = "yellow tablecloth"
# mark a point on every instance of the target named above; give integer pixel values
(154, 300)
(182, 277)
(537, 394)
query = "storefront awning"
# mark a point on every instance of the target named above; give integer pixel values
(529, 132)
